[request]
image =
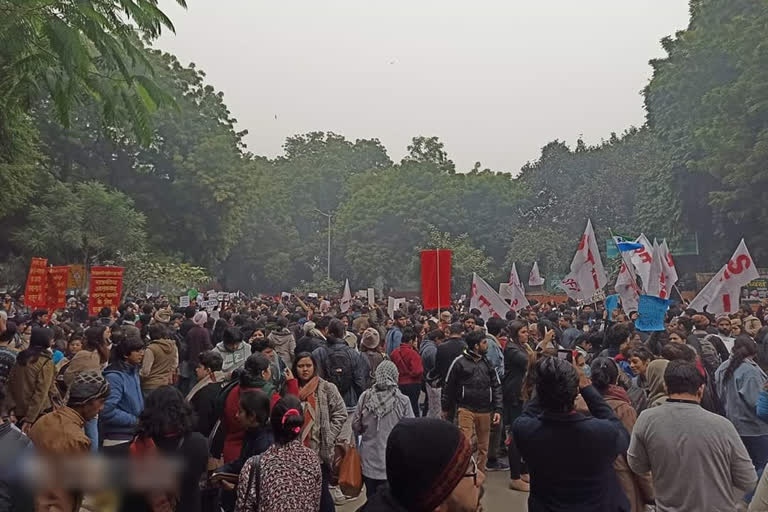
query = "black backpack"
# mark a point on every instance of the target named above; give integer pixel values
(340, 366)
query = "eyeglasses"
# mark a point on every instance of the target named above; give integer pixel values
(473, 474)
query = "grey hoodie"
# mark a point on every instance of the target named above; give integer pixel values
(233, 359)
(285, 345)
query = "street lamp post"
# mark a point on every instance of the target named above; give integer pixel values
(329, 215)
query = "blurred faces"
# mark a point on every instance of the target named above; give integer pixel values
(522, 336)
(201, 372)
(638, 365)
(724, 326)
(675, 338)
(401, 322)
(469, 324)
(75, 346)
(305, 368)
(466, 495)
(135, 358)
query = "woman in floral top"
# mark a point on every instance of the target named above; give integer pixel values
(287, 477)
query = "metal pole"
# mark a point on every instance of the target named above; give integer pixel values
(329, 248)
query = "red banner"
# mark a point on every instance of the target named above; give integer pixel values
(57, 287)
(35, 294)
(436, 278)
(105, 289)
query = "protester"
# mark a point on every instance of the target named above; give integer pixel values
(369, 348)
(472, 393)
(31, 381)
(409, 367)
(202, 396)
(639, 359)
(15, 447)
(285, 343)
(287, 477)
(657, 393)
(324, 414)
(429, 468)
(739, 383)
(232, 349)
(196, 340)
(118, 420)
(605, 376)
(315, 335)
(517, 354)
(379, 409)
(395, 335)
(161, 360)
(166, 428)
(432, 384)
(570, 455)
(681, 438)
(448, 351)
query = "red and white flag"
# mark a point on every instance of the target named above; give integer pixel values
(535, 278)
(514, 291)
(346, 298)
(668, 264)
(587, 273)
(487, 300)
(642, 258)
(657, 279)
(721, 294)
(626, 287)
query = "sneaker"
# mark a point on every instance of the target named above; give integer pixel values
(519, 485)
(525, 477)
(496, 465)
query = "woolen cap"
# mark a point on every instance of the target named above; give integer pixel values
(87, 386)
(426, 459)
(371, 338)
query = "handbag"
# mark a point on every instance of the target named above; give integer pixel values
(351, 471)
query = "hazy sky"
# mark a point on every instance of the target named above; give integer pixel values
(495, 80)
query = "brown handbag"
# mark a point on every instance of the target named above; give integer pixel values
(350, 472)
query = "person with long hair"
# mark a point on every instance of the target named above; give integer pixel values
(166, 428)
(739, 381)
(380, 408)
(605, 378)
(324, 416)
(32, 380)
(517, 354)
(287, 477)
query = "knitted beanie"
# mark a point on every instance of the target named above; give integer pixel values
(87, 386)
(371, 338)
(426, 459)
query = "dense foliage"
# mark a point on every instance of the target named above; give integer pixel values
(152, 170)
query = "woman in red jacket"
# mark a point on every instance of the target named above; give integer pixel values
(408, 361)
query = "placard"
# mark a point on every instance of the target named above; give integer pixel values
(209, 304)
(35, 292)
(184, 301)
(105, 290)
(651, 312)
(76, 277)
(57, 287)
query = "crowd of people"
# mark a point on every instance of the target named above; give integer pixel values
(253, 406)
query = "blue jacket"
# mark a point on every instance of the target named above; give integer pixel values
(394, 338)
(495, 356)
(739, 396)
(762, 405)
(571, 456)
(125, 402)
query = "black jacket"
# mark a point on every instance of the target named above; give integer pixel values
(515, 366)
(204, 404)
(382, 501)
(308, 344)
(448, 350)
(571, 456)
(472, 384)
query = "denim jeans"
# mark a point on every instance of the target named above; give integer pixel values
(92, 431)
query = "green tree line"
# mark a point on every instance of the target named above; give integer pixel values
(114, 151)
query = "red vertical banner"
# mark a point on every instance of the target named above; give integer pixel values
(436, 278)
(35, 292)
(57, 287)
(105, 289)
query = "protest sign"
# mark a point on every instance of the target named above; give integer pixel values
(393, 305)
(76, 277)
(611, 304)
(105, 289)
(436, 268)
(312, 295)
(35, 292)
(184, 301)
(371, 296)
(651, 312)
(57, 287)
(209, 304)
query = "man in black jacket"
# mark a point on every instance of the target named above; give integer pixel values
(450, 349)
(472, 387)
(570, 455)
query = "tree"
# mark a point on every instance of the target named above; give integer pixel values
(148, 272)
(85, 223)
(429, 150)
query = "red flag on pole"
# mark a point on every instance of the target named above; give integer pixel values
(436, 278)
(36, 291)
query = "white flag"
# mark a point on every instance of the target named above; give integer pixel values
(721, 294)
(514, 291)
(346, 298)
(642, 258)
(626, 287)
(514, 279)
(535, 278)
(486, 299)
(587, 274)
(657, 284)
(668, 264)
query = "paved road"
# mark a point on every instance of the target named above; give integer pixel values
(498, 497)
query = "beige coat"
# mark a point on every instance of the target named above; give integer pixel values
(32, 386)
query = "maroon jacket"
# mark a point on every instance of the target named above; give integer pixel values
(408, 363)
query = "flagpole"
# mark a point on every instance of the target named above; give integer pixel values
(437, 256)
